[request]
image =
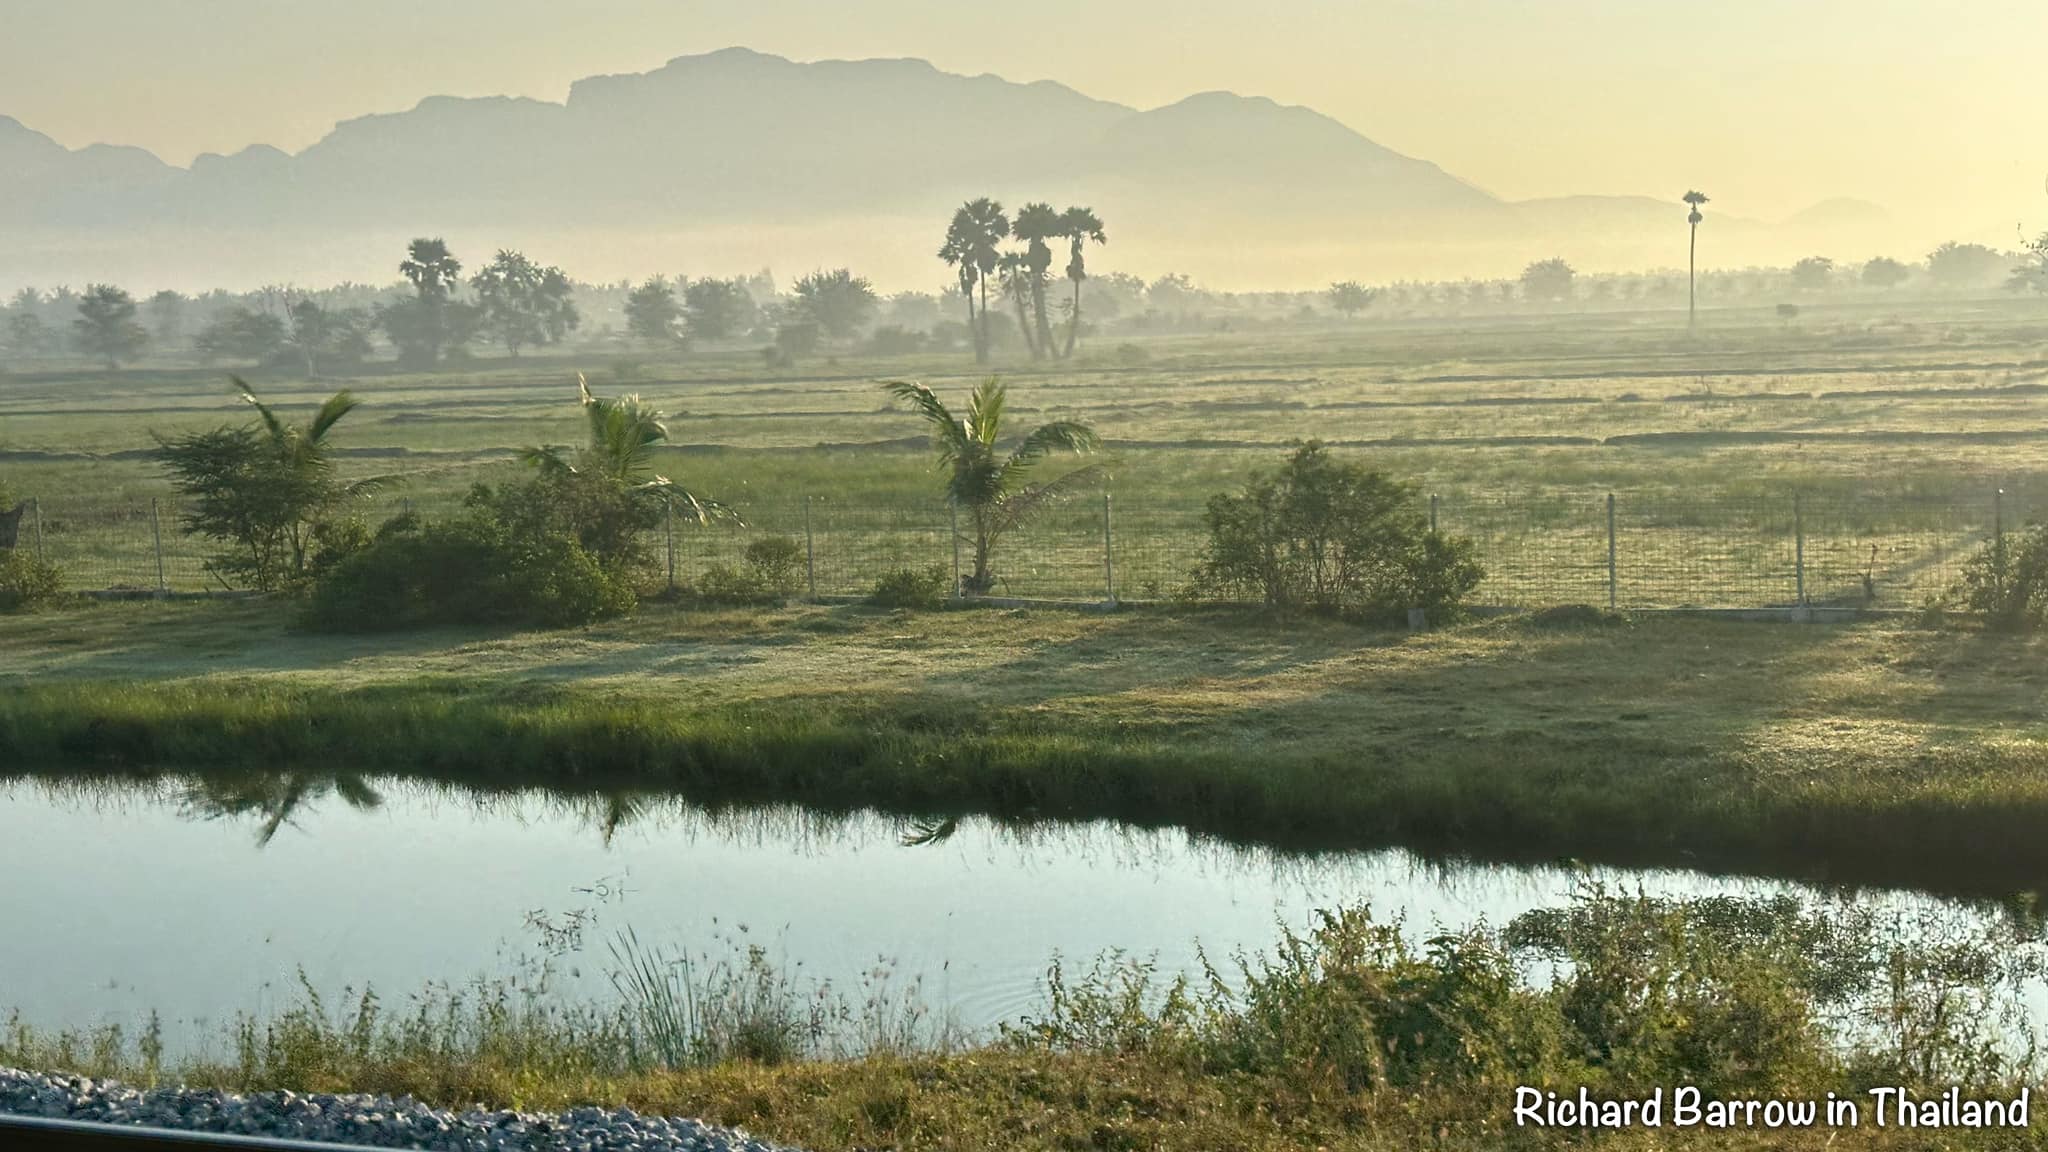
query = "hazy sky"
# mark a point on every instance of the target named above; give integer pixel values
(1937, 109)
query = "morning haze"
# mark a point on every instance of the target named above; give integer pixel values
(1852, 129)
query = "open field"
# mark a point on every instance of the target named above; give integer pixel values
(1891, 431)
(1810, 752)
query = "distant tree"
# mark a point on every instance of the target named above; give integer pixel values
(523, 304)
(242, 334)
(718, 309)
(1885, 272)
(432, 321)
(2031, 274)
(796, 336)
(106, 328)
(312, 327)
(652, 313)
(914, 311)
(973, 243)
(1078, 225)
(27, 335)
(167, 317)
(1173, 291)
(990, 489)
(1813, 274)
(1692, 249)
(1956, 265)
(1013, 273)
(1548, 281)
(838, 302)
(1350, 297)
(1036, 224)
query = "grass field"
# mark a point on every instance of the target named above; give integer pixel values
(1893, 429)
(1811, 751)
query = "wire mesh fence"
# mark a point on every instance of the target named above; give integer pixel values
(1628, 551)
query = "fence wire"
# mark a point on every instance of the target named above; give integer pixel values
(1633, 551)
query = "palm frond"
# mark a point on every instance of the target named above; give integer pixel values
(1058, 436)
(370, 485)
(337, 406)
(549, 459)
(949, 435)
(923, 833)
(985, 411)
(1014, 508)
(698, 509)
(278, 432)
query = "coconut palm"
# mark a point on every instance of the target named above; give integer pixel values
(1078, 225)
(619, 454)
(274, 796)
(988, 487)
(1693, 218)
(299, 478)
(1036, 224)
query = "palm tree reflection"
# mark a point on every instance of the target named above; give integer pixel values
(275, 797)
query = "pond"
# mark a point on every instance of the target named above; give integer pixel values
(202, 899)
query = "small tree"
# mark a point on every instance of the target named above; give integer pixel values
(718, 309)
(240, 334)
(1813, 274)
(1350, 297)
(1956, 265)
(991, 489)
(264, 490)
(523, 304)
(1885, 272)
(838, 302)
(106, 328)
(1332, 537)
(652, 313)
(1548, 281)
(2031, 274)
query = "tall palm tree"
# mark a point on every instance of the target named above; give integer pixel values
(1015, 276)
(304, 475)
(1078, 225)
(958, 251)
(1036, 224)
(1693, 218)
(986, 226)
(991, 488)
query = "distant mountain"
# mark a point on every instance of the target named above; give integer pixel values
(733, 154)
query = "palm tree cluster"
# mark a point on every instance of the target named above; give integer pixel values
(974, 247)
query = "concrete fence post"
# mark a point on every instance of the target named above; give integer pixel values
(810, 552)
(1998, 517)
(1432, 513)
(1799, 549)
(1108, 554)
(1613, 584)
(668, 532)
(953, 528)
(35, 512)
(156, 531)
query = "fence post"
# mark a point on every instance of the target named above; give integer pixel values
(35, 508)
(1432, 513)
(668, 530)
(1612, 583)
(810, 552)
(953, 526)
(156, 531)
(1799, 549)
(1998, 517)
(1108, 551)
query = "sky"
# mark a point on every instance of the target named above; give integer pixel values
(1935, 109)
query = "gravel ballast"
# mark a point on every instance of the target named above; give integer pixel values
(373, 1121)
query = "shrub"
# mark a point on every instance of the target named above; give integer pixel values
(767, 574)
(474, 569)
(1332, 537)
(911, 588)
(27, 580)
(2008, 581)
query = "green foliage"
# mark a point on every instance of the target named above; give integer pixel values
(911, 588)
(771, 569)
(27, 581)
(2008, 581)
(652, 313)
(1350, 297)
(431, 322)
(522, 303)
(718, 309)
(1335, 538)
(837, 302)
(241, 334)
(261, 489)
(1548, 281)
(989, 488)
(106, 328)
(477, 568)
(2031, 273)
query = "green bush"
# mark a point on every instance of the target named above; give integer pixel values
(27, 581)
(911, 588)
(2008, 581)
(1334, 538)
(768, 573)
(474, 569)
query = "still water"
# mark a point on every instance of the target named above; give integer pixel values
(202, 901)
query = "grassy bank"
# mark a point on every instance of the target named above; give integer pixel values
(1343, 1037)
(1818, 752)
